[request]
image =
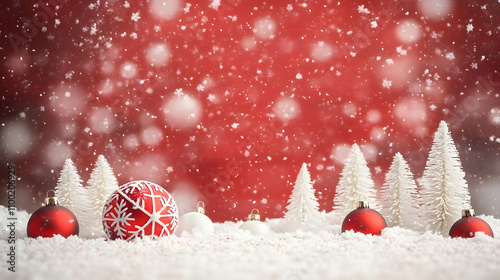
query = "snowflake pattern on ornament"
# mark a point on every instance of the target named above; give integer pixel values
(139, 208)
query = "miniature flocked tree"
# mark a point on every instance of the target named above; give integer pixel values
(101, 185)
(444, 189)
(303, 205)
(355, 184)
(71, 194)
(399, 195)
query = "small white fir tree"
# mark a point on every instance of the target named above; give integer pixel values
(101, 185)
(444, 189)
(71, 194)
(399, 195)
(303, 205)
(355, 184)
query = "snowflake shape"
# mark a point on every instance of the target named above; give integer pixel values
(118, 220)
(132, 199)
(156, 215)
(386, 83)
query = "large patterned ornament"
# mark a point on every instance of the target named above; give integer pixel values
(137, 209)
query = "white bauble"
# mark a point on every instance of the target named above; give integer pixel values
(256, 227)
(194, 221)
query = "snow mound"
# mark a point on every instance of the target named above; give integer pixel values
(230, 253)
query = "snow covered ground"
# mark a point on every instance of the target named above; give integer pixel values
(234, 254)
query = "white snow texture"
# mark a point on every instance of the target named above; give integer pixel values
(236, 254)
(355, 184)
(444, 190)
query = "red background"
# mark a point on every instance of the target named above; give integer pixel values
(234, 168)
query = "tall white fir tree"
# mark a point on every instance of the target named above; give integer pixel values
(71, 194)
(399, 196)
(355, 184)
(303, 204)
(444, 189)
(100, 186)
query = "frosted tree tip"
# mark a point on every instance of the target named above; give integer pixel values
(355, 148)
(68, 161)
(443, 125)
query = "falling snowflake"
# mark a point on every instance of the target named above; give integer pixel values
(215, 4)
(386, 83)
(469, 27)
(450, 56)
(93, 29)
(363, 10)
(211, 97)
(135, 17)
(400, 50)
(187, 8)
(179, 92)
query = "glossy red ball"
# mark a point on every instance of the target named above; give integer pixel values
(51, 220)
(138, 209)
(468, 226)
(364, 220)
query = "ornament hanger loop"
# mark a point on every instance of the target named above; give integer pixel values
(254, 216)
(362, 202)
(467, 210)
(51, 200)
(200, 207)
(47, 194)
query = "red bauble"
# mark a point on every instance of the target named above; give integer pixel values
(469, 225)
(137, 209)
(51, 220)
(364, 220)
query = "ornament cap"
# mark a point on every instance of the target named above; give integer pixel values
(200, 208)
(468, 213)
(363, 204)
(51, 200)
(254, 216)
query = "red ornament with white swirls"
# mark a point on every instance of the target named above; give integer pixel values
(137, 209)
